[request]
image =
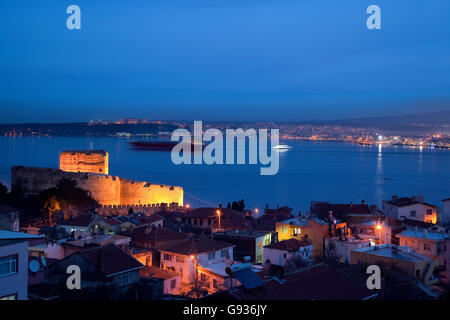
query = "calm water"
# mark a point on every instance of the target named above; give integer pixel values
(308, 171)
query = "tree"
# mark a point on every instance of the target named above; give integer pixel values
(238, 206)
(295, 263)
(51, 206)
(69, 195)
(196, 288)
(3, 191)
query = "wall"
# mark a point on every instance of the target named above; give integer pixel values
(280, 257)
(95, 161)
(107, 190)
(18, 282)
(420, 208)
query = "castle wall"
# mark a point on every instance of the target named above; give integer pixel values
(107, 190)
(95, 161)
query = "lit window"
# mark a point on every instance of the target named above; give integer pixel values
(8, 265)
(10, 297)
(180, 259)
(285, 229)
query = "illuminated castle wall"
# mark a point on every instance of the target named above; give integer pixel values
(95, 161)
(107, 190)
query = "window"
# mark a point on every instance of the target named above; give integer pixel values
(297, 231)
(167, 257)
(8, 265)
(180, 259)
(285, 230)
(10, 297)
(173, 284)
(429, 211)
(125, 278)
(426, 247)
(224, 253)
(412, 213)
(202, 277)
(211, 255)
(215, 284)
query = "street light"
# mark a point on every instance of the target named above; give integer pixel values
(257, 213)
(379, 228)
(218, 213)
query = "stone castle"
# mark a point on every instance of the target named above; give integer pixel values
(95, 161)
(109, 191)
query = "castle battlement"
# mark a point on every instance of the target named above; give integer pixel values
(95, 161)
(107, 190)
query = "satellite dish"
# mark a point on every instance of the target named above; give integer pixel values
(34, 266)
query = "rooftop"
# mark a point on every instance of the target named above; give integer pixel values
(113, 259)
(394, 252)
(237, 233)
(405, 201)
(157, 273)
(424, 234)
(319, 282)
(322, 209)
(289, 244)
(12, 236)
(195, 246)
(82, 220)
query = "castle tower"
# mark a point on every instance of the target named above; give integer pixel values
(95, 161)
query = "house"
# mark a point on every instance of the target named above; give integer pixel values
(318, 229)
(208, 219)
(279, 253)
(411, 208)
(248, 243)
(71, 246)
(107, 265)
(79, 225)
(121, 224)
(340, 249)
(9, 218)
(171, 280)
(430, 244)
(292, 228)
(445, 219)
(14, 264)
(198, 260)
(352, 213)
(318, 282)
(389, 256)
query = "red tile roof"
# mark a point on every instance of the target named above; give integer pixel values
(149, 234)
(289, 244)
(113, 260)
(317, 283)
(157, 273)
(405, 201)
(322, 209)
(195, 246)
(79, 221)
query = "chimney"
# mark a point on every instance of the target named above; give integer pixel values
(363, 202)
(351, 204)
(394, 197)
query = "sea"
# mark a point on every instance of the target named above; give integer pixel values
(308, 171)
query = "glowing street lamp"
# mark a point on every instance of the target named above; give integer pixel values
(379, 227)
(218, 213)
(257, 213)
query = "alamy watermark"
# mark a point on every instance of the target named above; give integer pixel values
(213, 153)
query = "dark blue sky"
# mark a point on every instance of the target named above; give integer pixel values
(222, 59)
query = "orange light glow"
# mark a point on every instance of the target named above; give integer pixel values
(379, 226)
(192, 257)
(218, 212)
(188, 206)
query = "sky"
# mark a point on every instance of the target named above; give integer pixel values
(222, 60)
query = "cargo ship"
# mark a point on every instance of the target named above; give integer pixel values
(157, 145)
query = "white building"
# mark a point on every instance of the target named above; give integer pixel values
(279, 253)
(14, 264)
(411, 208)
(341, 249)
(197, 260)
